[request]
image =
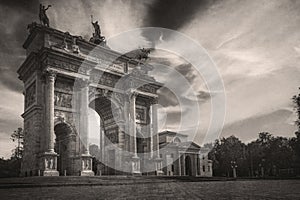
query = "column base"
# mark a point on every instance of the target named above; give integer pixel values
(135, 166)
(158, 166)
(159, 173)
(87, 163)
(87, 173)
(50, 173)
(50, 164)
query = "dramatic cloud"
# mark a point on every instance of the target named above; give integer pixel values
(17, 15)
(172, 14)
(254, 43)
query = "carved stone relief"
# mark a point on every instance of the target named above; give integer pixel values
(67, 87)
(112, 135)
(105, 79)
(148, 88)
(50, 163)
(63, 100)
(30, 95)
(63, 65)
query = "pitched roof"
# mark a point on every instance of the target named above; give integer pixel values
(182, 145)
(171, 133)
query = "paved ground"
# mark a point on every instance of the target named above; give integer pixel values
(252, 189)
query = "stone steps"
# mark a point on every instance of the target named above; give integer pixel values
(57, 181)
(79, 181)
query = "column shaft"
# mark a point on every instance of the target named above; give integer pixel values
(84, 120)
(155, 129)
(133, 123)
(179, 163)
(127, 125)
(50, 80)
(151, 130)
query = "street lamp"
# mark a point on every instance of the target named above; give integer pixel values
(233, 166)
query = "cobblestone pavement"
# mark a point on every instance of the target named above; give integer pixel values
(253, 189)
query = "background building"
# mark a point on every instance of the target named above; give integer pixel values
(182, 157)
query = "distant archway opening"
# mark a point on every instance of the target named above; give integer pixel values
(63, 147)
(188, 166)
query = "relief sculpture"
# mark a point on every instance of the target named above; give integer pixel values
(112, 135)
(63, 100)
(30, 95)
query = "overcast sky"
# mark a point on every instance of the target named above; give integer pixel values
(254, 43)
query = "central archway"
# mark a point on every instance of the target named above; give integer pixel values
(107, 157)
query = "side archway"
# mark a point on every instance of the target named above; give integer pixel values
(64, 146)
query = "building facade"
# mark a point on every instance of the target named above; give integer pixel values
(181, 157)
(64, 76)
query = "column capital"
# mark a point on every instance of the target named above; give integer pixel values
(83, 83)
(154, 100)
(133, 94)
(130, 94)
(50, 74)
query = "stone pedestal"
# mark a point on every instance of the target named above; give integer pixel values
(86, 168)
(50, 164)
(158, 166)
(98, 40)
(136, 166)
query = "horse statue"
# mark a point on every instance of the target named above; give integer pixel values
(143, 54)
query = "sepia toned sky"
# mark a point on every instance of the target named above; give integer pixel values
(255, 45)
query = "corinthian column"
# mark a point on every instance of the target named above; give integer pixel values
(133, 122)
(48, 163)
(135, 164)
(86, 158)
(155, 136)
(151, 131)
(50, 80)
(84, 112)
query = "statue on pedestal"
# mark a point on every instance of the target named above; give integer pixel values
(97, 29)
(97, 38)
(42, 15)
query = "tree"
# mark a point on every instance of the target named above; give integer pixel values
(226, 151)
(18, 136)
(295, 141)
(266, 156)
(296, 100)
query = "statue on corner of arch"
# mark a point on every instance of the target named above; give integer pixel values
(97, 38)
(43, 16)
(97, 29)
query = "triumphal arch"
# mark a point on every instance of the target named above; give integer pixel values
(64, 76)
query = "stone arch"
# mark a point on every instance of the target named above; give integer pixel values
(61, 120)
(106, 107)
(114, 97)
(116, 101)
(176, 140)
(64, 146)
